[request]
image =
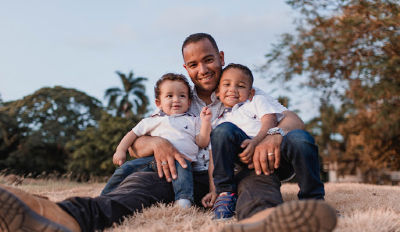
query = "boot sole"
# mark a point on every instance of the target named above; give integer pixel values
(305, 215)
(16, 216)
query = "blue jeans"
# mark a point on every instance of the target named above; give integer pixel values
(182, 185)
(299, 155)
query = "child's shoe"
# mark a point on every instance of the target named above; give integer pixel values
(225, 205)
(183, 203)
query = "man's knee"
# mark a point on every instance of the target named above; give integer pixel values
(257, 193)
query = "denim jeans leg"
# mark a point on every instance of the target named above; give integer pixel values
(129, 167)
(299, 153)
(225, 144)
(183, 184)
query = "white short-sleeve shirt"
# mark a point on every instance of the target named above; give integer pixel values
(180, 130)
(247, 115)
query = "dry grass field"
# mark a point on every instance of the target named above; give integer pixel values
(361, 207)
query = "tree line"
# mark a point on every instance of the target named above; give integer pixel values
(62, 130)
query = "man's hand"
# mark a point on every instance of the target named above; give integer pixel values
(209, 199)
(267, 155)
(165, 155)
(119, 157)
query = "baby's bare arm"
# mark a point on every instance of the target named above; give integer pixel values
(120, 153)
(203, 138)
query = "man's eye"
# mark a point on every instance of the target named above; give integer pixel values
(209, 60)
(192, 66)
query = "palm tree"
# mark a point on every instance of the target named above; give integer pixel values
(131, 97)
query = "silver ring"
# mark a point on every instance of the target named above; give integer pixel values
(270, 154)
(164, 163)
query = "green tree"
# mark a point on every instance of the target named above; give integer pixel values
(92, 150)
(130, 99)
(35, 129)
(349, 50)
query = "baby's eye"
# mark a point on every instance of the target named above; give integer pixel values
(169, 96)
(183, 96)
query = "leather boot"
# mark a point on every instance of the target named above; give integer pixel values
(304, 215)
(21, 211)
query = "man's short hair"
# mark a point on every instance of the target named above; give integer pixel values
(193, 38)
(172, 77)
(242, 68)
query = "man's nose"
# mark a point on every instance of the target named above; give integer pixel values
(203, 68)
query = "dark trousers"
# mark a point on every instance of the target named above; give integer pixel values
(299, 155)
(139, 190)
(183, 184)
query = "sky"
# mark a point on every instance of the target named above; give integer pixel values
(81, 44)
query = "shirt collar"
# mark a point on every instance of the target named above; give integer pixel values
(228, 110)
(161, 113)
(213, 96)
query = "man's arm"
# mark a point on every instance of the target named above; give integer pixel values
(272, 143)
(290, 122)
(164, 152)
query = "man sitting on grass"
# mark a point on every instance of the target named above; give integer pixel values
(294, 153)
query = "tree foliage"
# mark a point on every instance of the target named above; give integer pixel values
(349, 50)
(92, 150)
(131, 99)
(35, 129)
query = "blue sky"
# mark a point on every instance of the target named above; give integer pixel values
(80, 44)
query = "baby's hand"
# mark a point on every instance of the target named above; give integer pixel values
(209, 199)
(249, 145)
(206, 114)
(119, 157)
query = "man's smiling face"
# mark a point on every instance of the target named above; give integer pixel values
(204, 65)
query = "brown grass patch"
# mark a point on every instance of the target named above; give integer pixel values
(362, 207)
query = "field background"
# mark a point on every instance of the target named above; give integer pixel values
(361, 207)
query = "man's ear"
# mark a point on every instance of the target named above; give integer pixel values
(251, 95)
(217, 92)
(184, 65)
(221, 57)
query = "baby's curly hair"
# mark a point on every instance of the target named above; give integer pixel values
(172, 77)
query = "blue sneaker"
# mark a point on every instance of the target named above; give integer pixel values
(225, 205)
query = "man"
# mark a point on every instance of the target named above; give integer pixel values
(203, 62)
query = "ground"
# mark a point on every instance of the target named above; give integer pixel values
(361, 207)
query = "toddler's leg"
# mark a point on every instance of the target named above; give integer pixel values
(225, 144)
(129, 167)
(183, 185)
(226, 139)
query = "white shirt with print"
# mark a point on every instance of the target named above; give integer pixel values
(180, 130)
(247, 115)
